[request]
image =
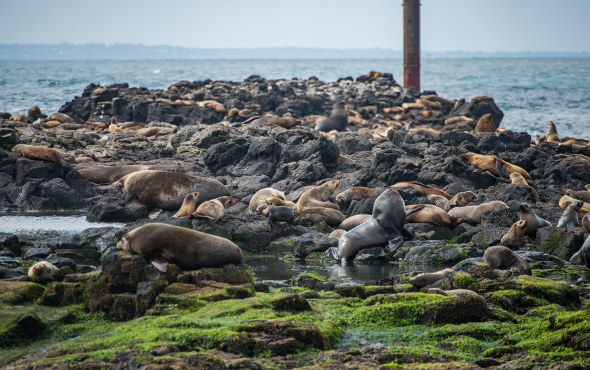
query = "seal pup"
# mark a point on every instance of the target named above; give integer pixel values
(474, 214)
(502, 258)
(42, 268)
(486, 124)
(582, 256)
(166, 190)
(422, 187)
(354, 193)
(383, 229)
(533, 221)
(494, 165)
(566, 200)
(214, 209)
(104, 174)
(337, 234)
(427, 278)
(514, 237)
(517, 179)
(586, 223)
(459, 200)
(337, 120)
(280, 214)
(189, 205)
(353, 221)
(569, 217)
(431, 214)
(583, 195)
(261, 195)
(163, 244)
(319, 196)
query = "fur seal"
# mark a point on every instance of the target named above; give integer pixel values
(502, 258)
(586, 223)
(38, 152)
(474, 214)
(166, 190)
(583, 195)
(421, 187)
(280, 214)
(337, 234)
(431, 214)
(104, 174)
(517, 179)
(337, 120)
(569, 217)
(427, 278)
(486, 124)
(514, 237)
(494, 165)
(459, 200)
(533, 221)
(214, 209)
(262, 195)
(354, 193)
(190, 249)
(566, 200)
(42, 268)
(451, 291)
(582, 256)
(331, 216)
(551, 136)
(383, 229)
(353, 221)
(319, 196)
(189, 205)
(269, 120)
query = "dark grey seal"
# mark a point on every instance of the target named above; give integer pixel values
(337, 120)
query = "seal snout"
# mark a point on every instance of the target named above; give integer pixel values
(524, 207)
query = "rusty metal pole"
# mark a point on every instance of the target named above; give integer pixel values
(412, 43)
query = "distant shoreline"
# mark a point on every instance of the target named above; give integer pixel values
(72, 52)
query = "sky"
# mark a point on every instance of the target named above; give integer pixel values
(446, 25)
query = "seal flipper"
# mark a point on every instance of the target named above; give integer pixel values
(499, 167)
(161, 265)
(394, 242)
(407, 234)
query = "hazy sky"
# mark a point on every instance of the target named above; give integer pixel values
(474, 25)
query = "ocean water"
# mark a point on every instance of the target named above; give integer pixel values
(530, 91)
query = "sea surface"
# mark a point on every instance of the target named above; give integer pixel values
(530, 91)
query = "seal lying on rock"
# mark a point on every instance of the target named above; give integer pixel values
(383, 229)
(353, 221)
(502, 258)
(533, 221)
(421, 187)
(494, 165)
(163, 244)
(104, 174)
(475, 214)
(337, 120)
(459, 200)
(354, 193)
(566, 200)
(261, 196)
(38, 152)
(431, 214)
(514, 237)
(166, 190)
(319, 196)
(583, 195)
(214, 209)
(569, 217)
(189, 205)
(582, 257)
(276, 213)
(42, 268)
(427, 278)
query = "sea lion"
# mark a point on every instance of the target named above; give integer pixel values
(431, 214)
(421, 187)
(319, 196)
(276, 201)
(486, 124)
(582, 195)
(514, 237)
(474, 214)
(280, 214)
(353, 221)
(17, 117)
(383, 229)
(566, 200)
(261, 195)
(104, 174)
(38, 152)
(533, 221)
(331, 216)
(214, 209)
(586, 223)
(166, 190)
(582, 256)
(189, 205)
(269, 120)
(551, 136)
(502, 258)
(517, 179)
(42, 268)
(451, 291)
(337, 234)
(190, 249)
(61, 117)
(459, 200)
(33, 113)
(337, 120)
(262, 209)
(569, 217)
(354, 193)
(494, 165)
(427, 278)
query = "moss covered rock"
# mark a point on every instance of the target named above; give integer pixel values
(15, 292)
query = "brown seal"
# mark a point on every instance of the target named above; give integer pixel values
(459, 200)
(269, 120)
(451, 292)
(166, 190)
(494, 165)
(421, 187)
(533, 221)
(566, 200)
(474, 214)
(331, 216)
(431, 214)
(583, 195)
(586, 223)
(514, 237)
(337, 234)
(486, 124)
(427, 278)
(190, 249)
(502, 258)
(551, 136)
(517, 179)
(189, 205)
(104, 174)
(42, 268)
(353, 221)
(278, 202)
(354, 193)
(38, 152)
(214, 209)
(262, 195)
(319, 196)
(569, 217)
(582, 256)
